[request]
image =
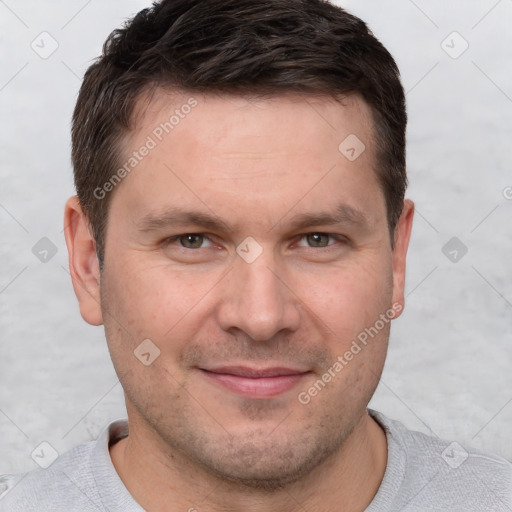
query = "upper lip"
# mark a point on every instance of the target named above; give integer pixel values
(245, 371)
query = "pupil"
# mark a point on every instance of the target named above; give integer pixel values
(316, 239)
(193, 241)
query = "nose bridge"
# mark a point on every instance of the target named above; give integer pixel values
(258, 302)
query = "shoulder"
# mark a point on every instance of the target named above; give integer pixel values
(437, 474)
(83, 478)
(66, 485)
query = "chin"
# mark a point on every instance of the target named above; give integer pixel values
(268, 467)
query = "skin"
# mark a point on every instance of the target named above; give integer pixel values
(253, 165)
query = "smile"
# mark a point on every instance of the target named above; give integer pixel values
(253, 383)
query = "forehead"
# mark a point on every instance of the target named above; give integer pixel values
(215, 149)
(227, 118)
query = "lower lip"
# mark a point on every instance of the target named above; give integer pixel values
(262, 387)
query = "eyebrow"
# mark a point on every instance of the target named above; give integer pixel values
(175, 217)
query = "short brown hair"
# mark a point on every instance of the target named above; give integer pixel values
(238, 47)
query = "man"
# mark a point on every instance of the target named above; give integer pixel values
(240, 230)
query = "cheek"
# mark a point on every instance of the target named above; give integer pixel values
(153, 301)
(143, 305)
(351, 298)
(159, 302)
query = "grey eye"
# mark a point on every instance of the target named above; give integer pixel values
(191, 241)
(318, 239)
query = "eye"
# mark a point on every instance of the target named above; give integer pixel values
(190, 240)
(319, 239)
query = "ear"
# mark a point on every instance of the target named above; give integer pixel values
(401, 237)
(83, 262)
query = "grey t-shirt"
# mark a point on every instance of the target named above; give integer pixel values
(423, 473)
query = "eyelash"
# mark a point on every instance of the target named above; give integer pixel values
(338, 238)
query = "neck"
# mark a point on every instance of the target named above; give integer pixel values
(157, 479)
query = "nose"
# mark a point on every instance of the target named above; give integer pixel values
(257, 299)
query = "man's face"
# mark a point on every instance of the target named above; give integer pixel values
(217, 250)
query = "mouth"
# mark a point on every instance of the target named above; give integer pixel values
(255, 383)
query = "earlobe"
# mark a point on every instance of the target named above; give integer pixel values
(83, 262)
(401, 237)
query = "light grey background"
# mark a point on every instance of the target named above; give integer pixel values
(449, 365)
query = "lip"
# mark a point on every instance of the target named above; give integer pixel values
(253, 382)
